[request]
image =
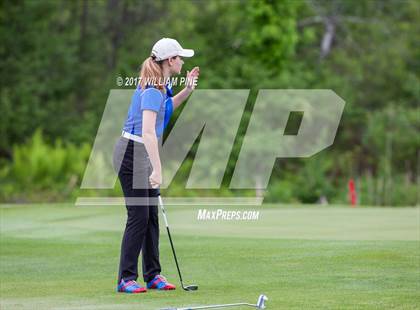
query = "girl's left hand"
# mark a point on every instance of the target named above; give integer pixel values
(192, 78)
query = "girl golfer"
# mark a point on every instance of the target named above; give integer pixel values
(137, 161)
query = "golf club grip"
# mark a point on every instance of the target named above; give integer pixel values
(163, 211)
(173, 252)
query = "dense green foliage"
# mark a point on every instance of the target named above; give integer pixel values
(59, 59)
(38, 168)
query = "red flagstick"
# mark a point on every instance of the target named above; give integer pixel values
(352, 193)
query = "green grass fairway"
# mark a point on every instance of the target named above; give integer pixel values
(305, 257)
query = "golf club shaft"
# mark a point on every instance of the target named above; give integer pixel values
(170, 239)
(217, 306)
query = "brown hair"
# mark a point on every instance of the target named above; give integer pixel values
(151, 73)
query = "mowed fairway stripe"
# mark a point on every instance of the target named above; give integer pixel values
(302, 258)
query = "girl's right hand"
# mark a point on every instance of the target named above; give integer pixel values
(192, 78)
(155, 179)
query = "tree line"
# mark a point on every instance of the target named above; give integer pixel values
(59, 59)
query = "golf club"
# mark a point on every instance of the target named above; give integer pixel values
(259, 305)
(188, 287)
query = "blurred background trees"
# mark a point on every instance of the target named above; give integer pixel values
(59, 59)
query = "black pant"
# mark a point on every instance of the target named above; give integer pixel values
(142, 227)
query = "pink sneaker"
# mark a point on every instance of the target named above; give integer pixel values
(160, 283)
(131, 287)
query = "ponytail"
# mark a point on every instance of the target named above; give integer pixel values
(151, 73)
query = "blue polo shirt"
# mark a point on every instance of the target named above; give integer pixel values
(149, 99)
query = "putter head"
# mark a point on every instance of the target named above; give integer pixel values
(190, 287)
(261, 302)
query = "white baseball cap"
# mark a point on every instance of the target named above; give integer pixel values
(166, 48)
